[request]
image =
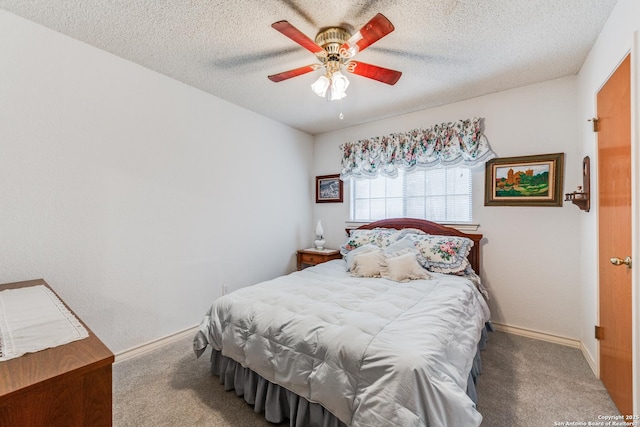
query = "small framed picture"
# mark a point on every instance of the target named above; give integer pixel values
(328, 189)
(524, 181)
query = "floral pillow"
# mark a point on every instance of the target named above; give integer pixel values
(401, 244)
(406, 231)
(381, 237)
(442, 254)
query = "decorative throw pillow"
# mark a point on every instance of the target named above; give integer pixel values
(401, 244)
(367, 264)
(442, 254)
(360, 250)
(402, 267)
(406, 231)
(381, 237)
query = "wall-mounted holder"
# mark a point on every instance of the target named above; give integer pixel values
(581, 197)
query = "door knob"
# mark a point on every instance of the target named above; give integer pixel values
(619, 261)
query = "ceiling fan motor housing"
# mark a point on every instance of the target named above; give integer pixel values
(331, 39)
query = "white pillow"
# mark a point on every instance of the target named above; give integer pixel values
(402, 267)
(367, 264)
(403, 244)
(360, 250)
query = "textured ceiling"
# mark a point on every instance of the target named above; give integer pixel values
(447, 50)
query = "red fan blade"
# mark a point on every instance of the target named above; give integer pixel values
(297, 36)
(374, 72)
(374, 30)
(293, 73)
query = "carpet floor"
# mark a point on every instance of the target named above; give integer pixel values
(524, 382)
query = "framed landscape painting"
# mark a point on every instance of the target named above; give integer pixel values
(328, 189)
(525, 181)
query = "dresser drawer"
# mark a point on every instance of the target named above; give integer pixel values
(314, 256)
(311, 258)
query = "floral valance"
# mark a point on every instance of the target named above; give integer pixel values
(446, 144)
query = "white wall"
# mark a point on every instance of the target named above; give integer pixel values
(530, 254)
(136, 196)
(615, 41)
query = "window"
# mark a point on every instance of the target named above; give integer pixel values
(440, 195)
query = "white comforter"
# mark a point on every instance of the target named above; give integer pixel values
(372, 351)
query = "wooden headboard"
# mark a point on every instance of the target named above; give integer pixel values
(430, 228)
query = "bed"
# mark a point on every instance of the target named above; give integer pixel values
(388, 336)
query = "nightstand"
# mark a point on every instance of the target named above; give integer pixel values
(314, 256)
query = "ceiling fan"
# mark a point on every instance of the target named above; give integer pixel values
(334, 47)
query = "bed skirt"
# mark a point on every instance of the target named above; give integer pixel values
(280, 404)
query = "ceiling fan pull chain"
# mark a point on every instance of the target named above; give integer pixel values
(341, 115)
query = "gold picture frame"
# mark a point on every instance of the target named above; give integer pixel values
(525, 180)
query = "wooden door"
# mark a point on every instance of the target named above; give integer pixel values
(614, 229)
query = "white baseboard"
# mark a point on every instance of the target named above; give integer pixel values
(152, 345)
(542, 336)
(592, 363)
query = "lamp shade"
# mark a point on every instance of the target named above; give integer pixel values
(339, 85)
(319, 230)
(320, 86)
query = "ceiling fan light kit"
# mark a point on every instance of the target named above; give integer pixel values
(320, 86)
(339, 85)
(334, 47)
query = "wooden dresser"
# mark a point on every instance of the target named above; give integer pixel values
(68, 385)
